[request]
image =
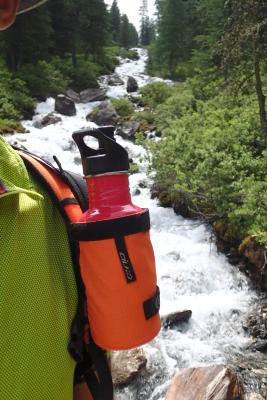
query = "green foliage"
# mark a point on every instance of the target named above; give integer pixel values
(131, 54)
(15, 101)
(156, 93)
(43, 79)
(123, 107)
(180, 103)
(145, 117)
(212, 156)
(134, 168)
(78, 77)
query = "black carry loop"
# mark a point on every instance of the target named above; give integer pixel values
(92, 364)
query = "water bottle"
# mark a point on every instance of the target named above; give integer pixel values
(116, 257)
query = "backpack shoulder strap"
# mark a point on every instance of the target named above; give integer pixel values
(65, 187)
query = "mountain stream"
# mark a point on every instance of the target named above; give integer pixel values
(192, 275)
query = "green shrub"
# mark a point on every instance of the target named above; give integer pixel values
(80, 77)
(115, 51)
(156, 93)
(214, 158)
(43, 79)
(123, 107)
(175, 106)
(15, 100)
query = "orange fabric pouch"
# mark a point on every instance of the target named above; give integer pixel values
(117, 266)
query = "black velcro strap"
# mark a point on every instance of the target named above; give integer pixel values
(102, 388)
(108, 229)
(68, 201)
(152, 305)
(125, 259)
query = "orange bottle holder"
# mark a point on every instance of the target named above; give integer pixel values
(117, 266)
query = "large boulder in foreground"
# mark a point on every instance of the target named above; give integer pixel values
(132, 85)
(126, 365)
(206, 383)
(64, 105)
(89, 95)
(128, 129)
(104, 114)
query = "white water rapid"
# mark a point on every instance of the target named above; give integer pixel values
(192, 275)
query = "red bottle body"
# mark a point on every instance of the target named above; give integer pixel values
(109, 198)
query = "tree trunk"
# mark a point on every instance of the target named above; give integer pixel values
(259, 91)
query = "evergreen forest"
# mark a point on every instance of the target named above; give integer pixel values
(211, 160)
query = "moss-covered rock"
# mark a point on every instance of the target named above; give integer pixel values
(10, 126)
(254, 252)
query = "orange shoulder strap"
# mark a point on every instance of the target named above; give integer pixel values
(59, 188)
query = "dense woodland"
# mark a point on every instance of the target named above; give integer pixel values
(211, 161)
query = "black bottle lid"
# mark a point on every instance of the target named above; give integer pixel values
(109, 157)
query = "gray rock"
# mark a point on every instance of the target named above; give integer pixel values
(114, 80)
(126, 365)
(48, 119)
(89, 95)
(64, 105)
(258, 345)
(207, 383)
(104, 114)
(128, 129)
(175, 318)
(132, 85)
(136, 192)
(73, 95)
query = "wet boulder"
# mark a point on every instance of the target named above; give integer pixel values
(128, 129)
(206, 383)
(104, 114)
(49, 119)
(73, 95)
(254, 252)
(176, 318)
(89, 95)
(132, 85)
(126, 365)
(114, 80)
(64, 105)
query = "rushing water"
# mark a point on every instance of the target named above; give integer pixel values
(192, 275)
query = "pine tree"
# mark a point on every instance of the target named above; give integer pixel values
(28, 40)
(133, 36)
(147, 33)
(115, 21)
(124, 31)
